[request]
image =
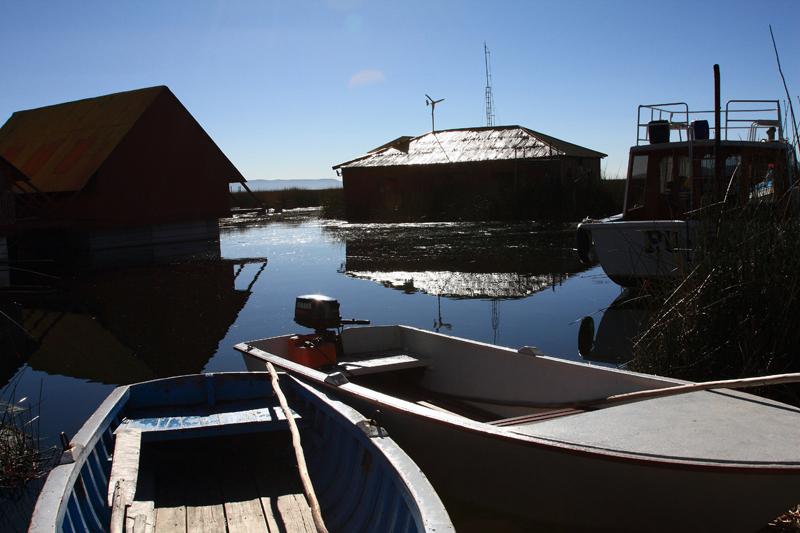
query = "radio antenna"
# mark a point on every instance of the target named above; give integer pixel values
(488, 93)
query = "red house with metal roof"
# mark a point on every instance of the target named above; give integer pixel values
(128, 168)
(499, 172)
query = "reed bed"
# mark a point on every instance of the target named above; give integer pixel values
(735, 312)
(331, 200)
(21, 458)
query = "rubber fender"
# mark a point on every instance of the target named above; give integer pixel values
(585, 247)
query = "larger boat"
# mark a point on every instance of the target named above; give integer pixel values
(515, 434)
(677, 169)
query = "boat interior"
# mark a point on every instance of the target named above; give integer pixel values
(199, 485)
(530, 394)
(478, 381)
(213, 453)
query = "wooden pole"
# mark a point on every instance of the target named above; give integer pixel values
(596, 403)
(308, 488)
(759, 381)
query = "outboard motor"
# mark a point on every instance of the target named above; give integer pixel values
(320, 313)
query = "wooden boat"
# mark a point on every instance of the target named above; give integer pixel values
(522, 435)
(212, 453)
(676, 170)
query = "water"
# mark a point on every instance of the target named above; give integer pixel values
(512, 285)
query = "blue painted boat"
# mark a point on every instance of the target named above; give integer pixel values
(213, 452)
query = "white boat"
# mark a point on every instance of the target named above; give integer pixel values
(516, 434)
(675, 171)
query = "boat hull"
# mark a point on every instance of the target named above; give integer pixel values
(533, 483)
(363, 480)
(631, 252)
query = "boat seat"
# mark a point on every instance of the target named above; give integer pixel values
(228, 419)
(535, 417)
(124, 474)
(374, 363)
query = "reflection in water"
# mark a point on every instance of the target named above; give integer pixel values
(620, 324)
(129, 325)
(101, 329)
(459, 260)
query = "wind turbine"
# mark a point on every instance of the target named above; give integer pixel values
(431, 102)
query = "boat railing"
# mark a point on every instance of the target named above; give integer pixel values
(753, 118)
(766, 116)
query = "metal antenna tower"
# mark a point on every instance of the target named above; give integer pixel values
(489, 97)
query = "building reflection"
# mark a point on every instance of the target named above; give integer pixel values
(127, 325)
(459, 260)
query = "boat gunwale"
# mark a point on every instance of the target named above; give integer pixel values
(51, 504)
(414, 487)
(460, 422)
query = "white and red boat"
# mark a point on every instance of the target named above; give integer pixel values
(675, 170)
(515, 434)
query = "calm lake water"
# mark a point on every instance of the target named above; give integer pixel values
(511, 285)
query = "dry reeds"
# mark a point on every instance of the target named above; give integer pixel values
(735, 312)
(21, 457)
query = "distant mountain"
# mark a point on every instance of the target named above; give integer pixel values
(276, 185)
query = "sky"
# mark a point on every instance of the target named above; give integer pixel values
(288, 89)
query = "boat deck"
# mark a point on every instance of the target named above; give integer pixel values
(244, 483)
(711, 426)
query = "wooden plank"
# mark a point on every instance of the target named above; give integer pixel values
(140, 518)
(375, 365)
(242, 505)
(170, 502)
(117, 510)
(125, 466)
(245, 516)
(296, 514)
(288, 513)
(204, 509)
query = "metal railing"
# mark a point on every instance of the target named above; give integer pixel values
(750, 119)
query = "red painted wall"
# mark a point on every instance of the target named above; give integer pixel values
(167, 169)
(496, 190)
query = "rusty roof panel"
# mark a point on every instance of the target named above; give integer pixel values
(60, 146)
(470, 145)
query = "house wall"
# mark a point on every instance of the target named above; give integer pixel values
(7, 211)
(489, 190)
(165, 170)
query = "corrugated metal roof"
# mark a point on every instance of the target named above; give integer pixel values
(59, 147)
(470, 145)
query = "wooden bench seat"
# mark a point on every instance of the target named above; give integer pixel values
(374, 363)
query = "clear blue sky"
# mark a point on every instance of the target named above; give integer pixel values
(288, 89)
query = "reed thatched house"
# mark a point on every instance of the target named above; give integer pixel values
(501, 172)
